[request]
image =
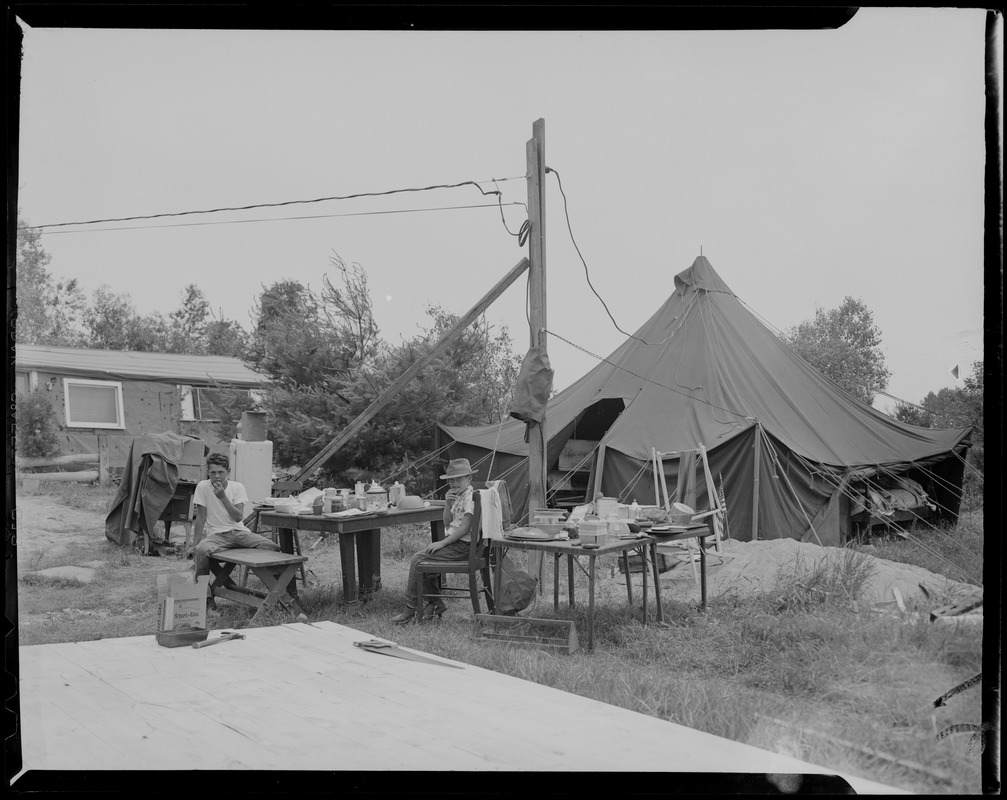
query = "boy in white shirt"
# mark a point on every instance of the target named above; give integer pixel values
(220, 507)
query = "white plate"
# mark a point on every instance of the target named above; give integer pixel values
(542, 538)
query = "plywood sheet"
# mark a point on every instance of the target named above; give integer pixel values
(302, 697)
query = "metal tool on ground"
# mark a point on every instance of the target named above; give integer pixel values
(218, 640)
(545, 634)
(387, 648)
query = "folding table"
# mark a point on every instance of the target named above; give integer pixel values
(572, 549)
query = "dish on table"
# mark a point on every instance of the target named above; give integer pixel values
(348, 514)
(531, 537)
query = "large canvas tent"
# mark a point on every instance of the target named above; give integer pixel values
(788, 445)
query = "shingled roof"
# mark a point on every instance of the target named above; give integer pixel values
(137, 366)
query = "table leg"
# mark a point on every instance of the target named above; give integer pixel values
(220, 575)
(497, 569)
(590, 603)
(569, 577)
(629, 583)
(555, 581)
(347, 560)
(366, 565)
(376, 558)
(278, 582)
(643, 570)
(657, 581)
(285, 539)
(702, 570)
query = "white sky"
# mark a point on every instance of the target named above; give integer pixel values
(807, 165)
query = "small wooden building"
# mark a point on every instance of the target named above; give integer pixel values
(119, 395)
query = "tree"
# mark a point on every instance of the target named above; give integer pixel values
(188, 323)
(845, 345)
(111, 323)
(35, 422)
(225, 337)
(328, 364)
(955, 408)
(47, 309)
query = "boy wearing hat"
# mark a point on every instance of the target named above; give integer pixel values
(458, 512)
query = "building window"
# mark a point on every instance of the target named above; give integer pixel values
(201, 403)
(93, 404)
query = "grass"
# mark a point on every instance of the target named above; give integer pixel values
(955, 552)
(799, 669)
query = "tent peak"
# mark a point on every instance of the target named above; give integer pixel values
(701, 275)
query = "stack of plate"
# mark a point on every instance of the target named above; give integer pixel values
(531, 534)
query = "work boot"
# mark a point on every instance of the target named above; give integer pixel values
(435, 608)
(405, 616)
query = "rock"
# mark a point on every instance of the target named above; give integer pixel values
(82, 574)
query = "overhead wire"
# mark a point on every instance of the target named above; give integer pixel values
(283, 203)
(587, 273)
(648, 380)
(281, 219)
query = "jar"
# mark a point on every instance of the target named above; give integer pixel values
(329, 497)
(396, 493)
(377, 497)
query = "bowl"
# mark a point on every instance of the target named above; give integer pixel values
(553, 529)
(285, 508)
(409, 501)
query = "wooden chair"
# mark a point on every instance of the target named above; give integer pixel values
(477, 563)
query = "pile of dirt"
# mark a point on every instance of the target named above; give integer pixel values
(747, 568)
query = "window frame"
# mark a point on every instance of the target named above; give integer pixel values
(116, 385)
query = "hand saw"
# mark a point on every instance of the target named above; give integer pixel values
(218, 640)
(391, 649)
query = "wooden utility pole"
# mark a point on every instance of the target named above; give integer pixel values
(755, 483)
(535, 151)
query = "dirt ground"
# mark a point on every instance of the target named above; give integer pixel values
(71, 543)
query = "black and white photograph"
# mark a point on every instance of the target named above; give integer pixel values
(597, 405)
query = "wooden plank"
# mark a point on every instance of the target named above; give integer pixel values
(389, 394)
(253, 557)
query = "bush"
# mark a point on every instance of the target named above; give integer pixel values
(36, 426)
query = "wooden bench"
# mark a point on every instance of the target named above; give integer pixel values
(275, 570)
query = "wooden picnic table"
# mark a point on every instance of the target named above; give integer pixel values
(359, 539)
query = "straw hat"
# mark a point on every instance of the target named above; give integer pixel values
(458, 468)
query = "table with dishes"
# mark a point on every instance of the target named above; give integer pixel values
(530, 540)
(359, 538)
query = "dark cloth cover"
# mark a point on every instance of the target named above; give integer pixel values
(147, 486)
(534, 384)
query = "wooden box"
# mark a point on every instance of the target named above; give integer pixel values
(192, 467)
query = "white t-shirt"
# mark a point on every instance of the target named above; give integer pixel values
(217, 518)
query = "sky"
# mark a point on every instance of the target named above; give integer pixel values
(807, 166)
